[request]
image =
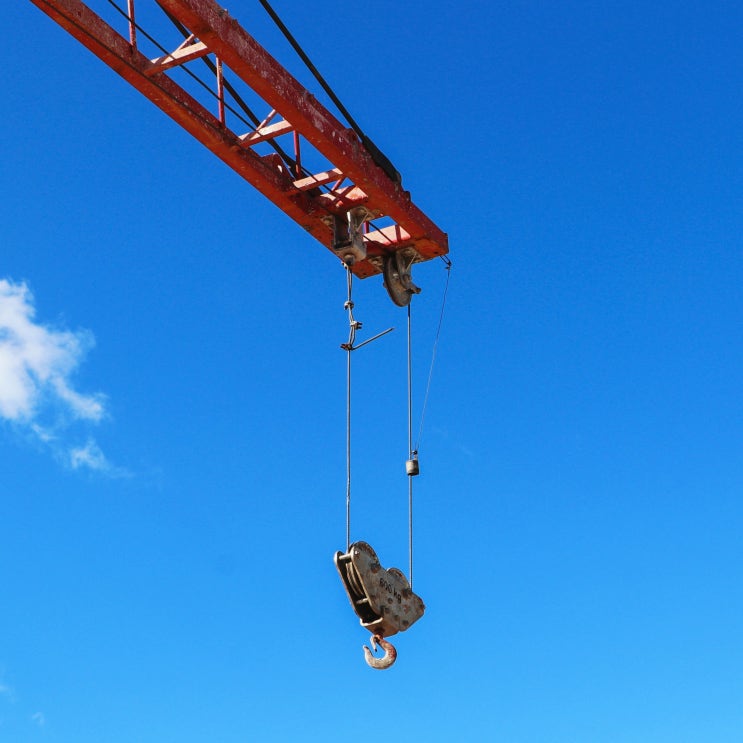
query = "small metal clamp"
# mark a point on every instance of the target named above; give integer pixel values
(348, 238)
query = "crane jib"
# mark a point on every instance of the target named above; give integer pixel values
(349, 185)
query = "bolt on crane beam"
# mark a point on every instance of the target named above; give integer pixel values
(352, 183)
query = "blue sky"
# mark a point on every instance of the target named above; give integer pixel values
(172, 393)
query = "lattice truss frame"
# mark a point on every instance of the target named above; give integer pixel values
(319, 169)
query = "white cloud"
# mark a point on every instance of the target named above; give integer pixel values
(37, 363)
(39, 719)
(89, 456)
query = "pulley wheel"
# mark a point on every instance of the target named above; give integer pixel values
(397, 280)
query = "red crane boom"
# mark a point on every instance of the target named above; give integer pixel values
(338, 204)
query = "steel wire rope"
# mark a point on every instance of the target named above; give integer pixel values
(412, 465)
(448, 264)
(252, 120)
(377, 155)
(411, 454)
(386, 165)
(183, 67)
(349, 347)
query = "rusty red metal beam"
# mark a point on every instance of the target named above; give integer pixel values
(263, 173)
(213, 26)
(215, 32)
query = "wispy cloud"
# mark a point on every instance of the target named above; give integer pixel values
(37, 363)
(8, 697)
(7, 693)
(39, 719)
(91, 457)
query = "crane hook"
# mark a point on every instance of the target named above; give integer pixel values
(389, 657)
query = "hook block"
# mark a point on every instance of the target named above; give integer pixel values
(382, 599)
